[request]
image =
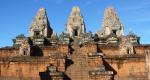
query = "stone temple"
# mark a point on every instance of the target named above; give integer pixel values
(76, 54)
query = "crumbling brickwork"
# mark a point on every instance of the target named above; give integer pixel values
(75, 54)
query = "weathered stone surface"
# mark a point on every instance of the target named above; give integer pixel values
(133, 39)
(148, 63)
(126, 47)
(24, 49)
(111, 24)
(18, 40)
(75, 55)
(40, 25)
(75, 25)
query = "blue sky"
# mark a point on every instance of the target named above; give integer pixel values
(17, 15)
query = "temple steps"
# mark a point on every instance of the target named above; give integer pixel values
(79, 69)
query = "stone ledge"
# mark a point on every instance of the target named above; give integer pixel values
(100, 72)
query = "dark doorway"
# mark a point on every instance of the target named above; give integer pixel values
(36, 51)
(114, 32)
(36, 33)
(24, 53)
(76, 32)
(44, 76)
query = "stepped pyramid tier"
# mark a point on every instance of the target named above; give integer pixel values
(40, 25)
(111, 24)
(77, 54)
(75, 25)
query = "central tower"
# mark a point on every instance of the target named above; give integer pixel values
(75, 25)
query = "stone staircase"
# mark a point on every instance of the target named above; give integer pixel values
(79, 69)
